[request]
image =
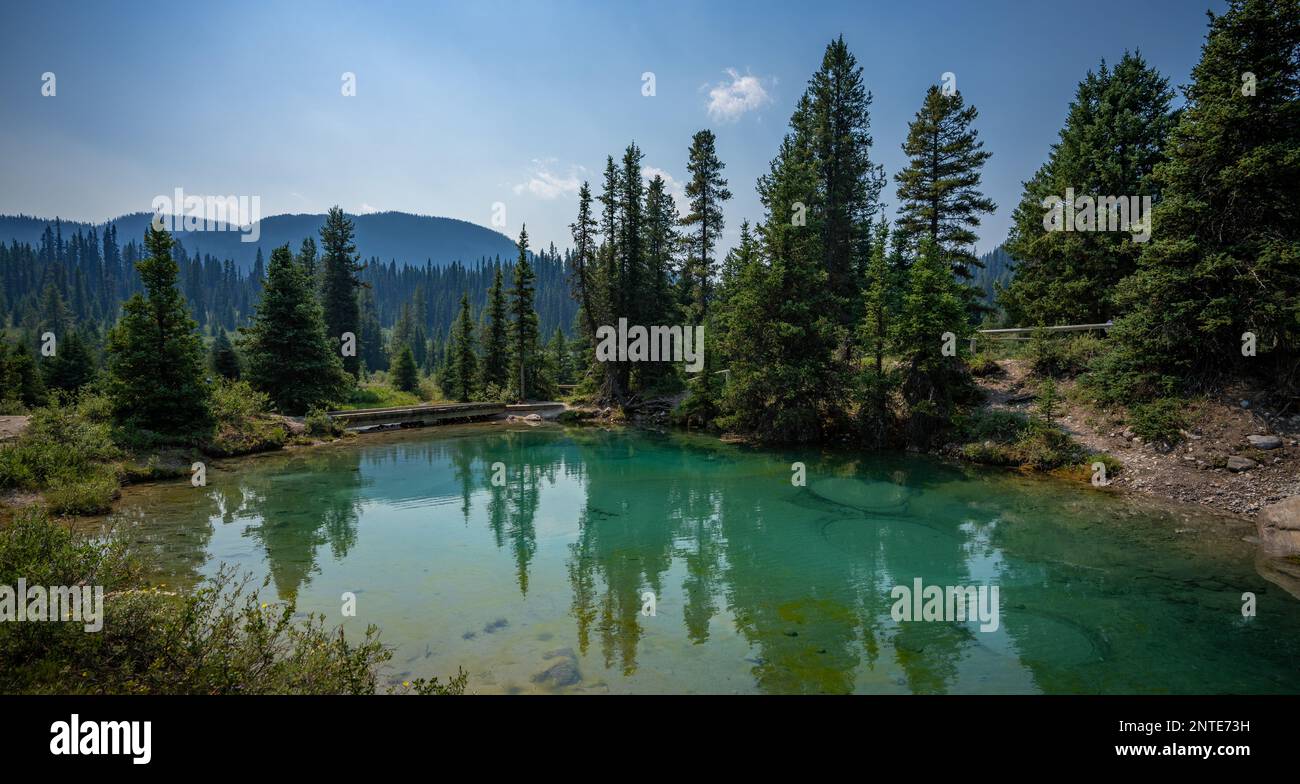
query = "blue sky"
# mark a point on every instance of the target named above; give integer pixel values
(460, 106)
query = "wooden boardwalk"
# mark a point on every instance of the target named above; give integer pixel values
(425, 415)
(416, 416)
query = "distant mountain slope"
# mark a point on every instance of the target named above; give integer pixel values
(400, 236)
(998, 268)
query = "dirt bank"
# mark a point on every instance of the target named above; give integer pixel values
(1195, 470)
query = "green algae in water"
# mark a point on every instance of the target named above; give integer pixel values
(758, 585)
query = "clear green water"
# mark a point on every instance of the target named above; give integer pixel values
(761, 586)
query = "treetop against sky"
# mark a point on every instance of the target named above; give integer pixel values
(464, 109)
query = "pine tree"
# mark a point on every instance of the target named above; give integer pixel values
(461, 375)
(1114, 136)
(370, 338)
(405, 375)
(876, 329)
(222, 358)
(289, 356)
(933, 317)
(834, 121)
(496, 338)
(21, 386)
(939, 192)
(155, 373)
(340, 282)
(308, 260)
(71, 367)
(561, 361)
(1224, 256)
(524, 330)
(785, 383)
(585, 280)
(705, 192)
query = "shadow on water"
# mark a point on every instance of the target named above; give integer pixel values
(757, 584)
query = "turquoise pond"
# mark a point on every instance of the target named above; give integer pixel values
(759, 586)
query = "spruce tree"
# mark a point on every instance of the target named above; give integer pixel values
(1224, 256)
(834, 121)
(932, 320)
(706, 191)
(938, 191)
(71, 367)
(496, 338)
(461, 375)
(155, 372)
(785, 383)
(876, 331)
(405, 376)
(289, 356)
(340, 283)
(524, 331)
(222, 357)
(1114, 136)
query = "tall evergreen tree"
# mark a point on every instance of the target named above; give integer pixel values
(876, 331)
(461, 375)
(289, 356)
(71, 367)
(785, 383)
(834, 121)
(405, 375)
(524, 329)
(222, 357)
(938, 191)
(155, 377)
(1224, 257)
(705, 193)
(340, 282)
(1114, 136)
(496, 337)
(933, 317)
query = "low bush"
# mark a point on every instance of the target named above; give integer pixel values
(242, 425)
(1062, 356)
(63, 440)
(321, 425)
(219, 639)
(1160, 420)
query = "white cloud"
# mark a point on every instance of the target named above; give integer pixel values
(544, 183)
(728, 100)
(366, 209)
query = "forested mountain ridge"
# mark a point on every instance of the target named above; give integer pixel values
(392, 236)
(77, 275)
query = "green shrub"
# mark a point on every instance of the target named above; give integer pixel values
(994, 425)
(321, 425)
(62, 440)
(1159, 420)
(1062, 356)
(1043, 448)
(83, 494)
(989, 453)
(219, 639)
(983, 365)
(242, 424)
(1113, 464)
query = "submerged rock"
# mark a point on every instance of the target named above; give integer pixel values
(870, 496)
(563, 672)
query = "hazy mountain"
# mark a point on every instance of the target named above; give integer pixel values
(998, 266)
(400, 236)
